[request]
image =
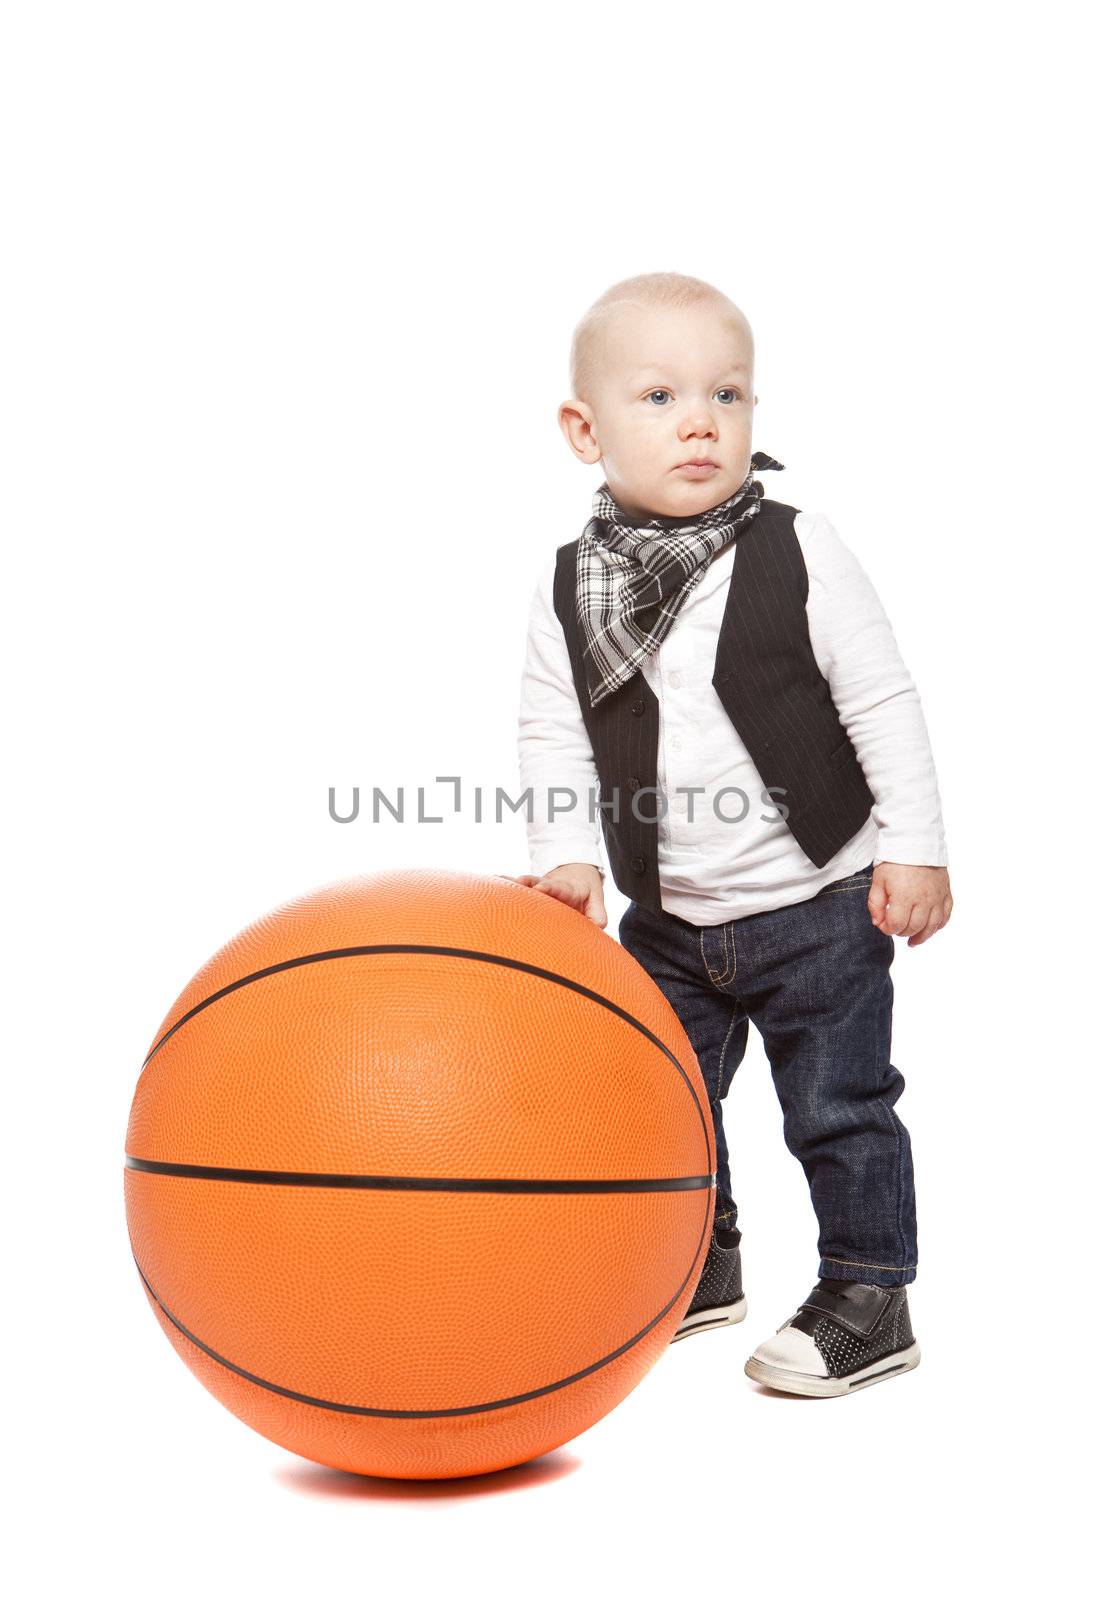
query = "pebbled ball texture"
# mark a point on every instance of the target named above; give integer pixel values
(392, 1316)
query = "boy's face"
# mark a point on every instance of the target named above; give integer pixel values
(674, 386)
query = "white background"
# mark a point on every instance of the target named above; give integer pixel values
(289, 297)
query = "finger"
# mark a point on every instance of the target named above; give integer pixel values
(562, 891)
(941, 910)
(936, 920)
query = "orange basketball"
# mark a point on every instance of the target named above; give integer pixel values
(419, 1174)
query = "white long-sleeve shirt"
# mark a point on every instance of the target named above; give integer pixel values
(712, 869)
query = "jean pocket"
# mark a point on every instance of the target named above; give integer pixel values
(855, 880)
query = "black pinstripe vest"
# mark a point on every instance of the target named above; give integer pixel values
(777, 699)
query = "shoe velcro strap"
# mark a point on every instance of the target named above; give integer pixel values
(858, 1309)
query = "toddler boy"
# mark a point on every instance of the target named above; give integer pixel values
(720, 664)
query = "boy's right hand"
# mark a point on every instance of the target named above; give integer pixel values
(577, 884)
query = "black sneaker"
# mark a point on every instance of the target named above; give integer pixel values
(719, 1296)
(844, 1337)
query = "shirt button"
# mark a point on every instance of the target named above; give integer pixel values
(638, 864)
(637, 708)
(674, 679)
(676, 742)
(633, 784)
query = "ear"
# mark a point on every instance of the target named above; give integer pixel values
(576, 419)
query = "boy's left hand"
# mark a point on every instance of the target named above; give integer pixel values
(913, 900)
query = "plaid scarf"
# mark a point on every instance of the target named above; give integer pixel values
(633, 575)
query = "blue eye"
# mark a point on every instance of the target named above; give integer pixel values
(654, 392)
(732, 392)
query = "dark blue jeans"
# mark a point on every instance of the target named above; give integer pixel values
(815, 980)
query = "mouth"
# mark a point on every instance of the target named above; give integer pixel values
(696, 467)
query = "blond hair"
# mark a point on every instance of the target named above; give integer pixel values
(648, 290)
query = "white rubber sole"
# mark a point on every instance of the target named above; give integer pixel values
(712, 1317)
(824, 1388)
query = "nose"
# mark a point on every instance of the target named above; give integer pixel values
(697, 425)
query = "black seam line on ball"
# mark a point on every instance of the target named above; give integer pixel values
(445, 950)
(435, 950)
(447, 1411)
(410, 949)
(351, 1180)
